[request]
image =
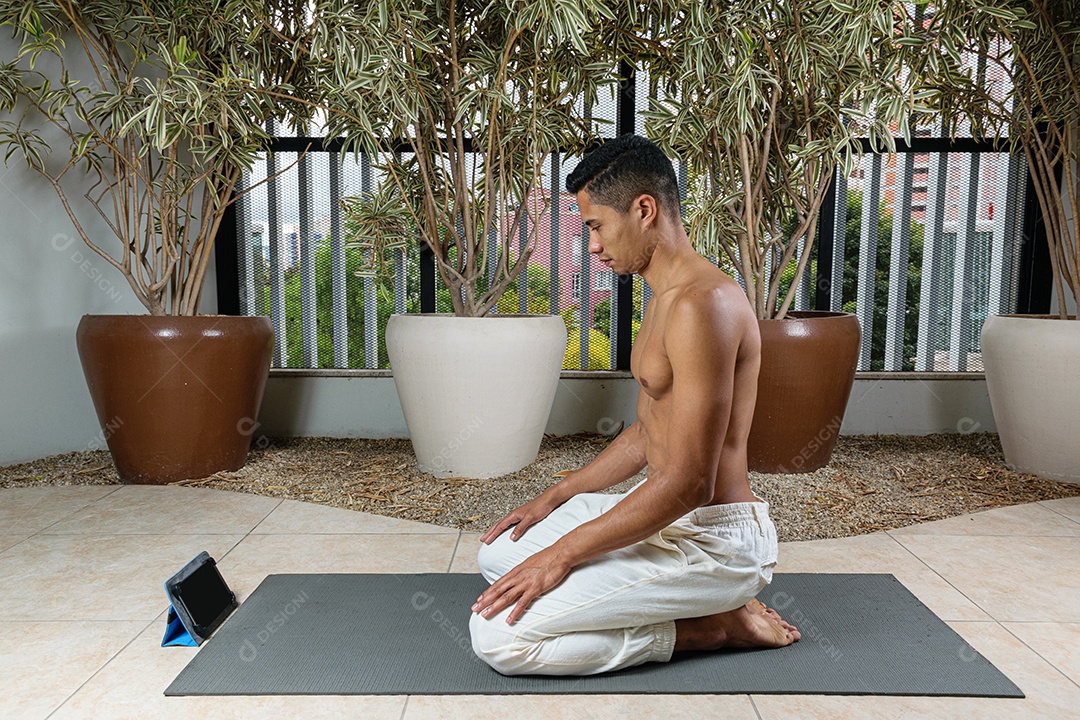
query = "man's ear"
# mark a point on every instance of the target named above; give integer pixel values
(647, 210)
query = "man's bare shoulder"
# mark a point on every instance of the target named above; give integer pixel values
(710, 299)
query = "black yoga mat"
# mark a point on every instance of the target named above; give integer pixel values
(409, 635)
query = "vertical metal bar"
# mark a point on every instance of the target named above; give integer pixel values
(371, 309)
(401, 280)
(1012, 239)
(427, 279)
(428, 273)
(621, 296)
(493, 253)
(306, 251)
(642, 98)
(804, 291)
(683, 182)
(1036, 277)
(899, 253)
(227, 261)
(963, 291)
(868, 241)
(998, 256)
(523, 241)
(768, 269)
(371, 323)
(276, 271)
(960, 342)
(338, 279)
(583, 303)
(244, 244)
(839, 243)
(556, 207)
(627, 99)
(584, 309)
(930, 282)
(613, 319)
(459, 228)
(826, 222)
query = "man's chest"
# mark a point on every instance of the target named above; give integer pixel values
(648, 360)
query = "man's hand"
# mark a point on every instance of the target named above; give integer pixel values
(523, 517)
(526, 582)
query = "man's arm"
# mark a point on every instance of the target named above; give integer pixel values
(702, 341)
(623, 458)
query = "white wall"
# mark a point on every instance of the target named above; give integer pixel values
(366, 405)
(299, 403)
(918, 404)
(49, 279)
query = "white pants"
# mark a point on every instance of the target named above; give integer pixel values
(619, 609)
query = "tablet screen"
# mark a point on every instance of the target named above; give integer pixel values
(205, 594)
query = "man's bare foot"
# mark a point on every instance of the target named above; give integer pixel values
(752, 625)
(758, 608)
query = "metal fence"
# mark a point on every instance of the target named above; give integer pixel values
(922, 245)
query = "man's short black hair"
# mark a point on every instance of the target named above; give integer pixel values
(623, 169)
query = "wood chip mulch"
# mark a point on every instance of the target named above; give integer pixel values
(873, 482)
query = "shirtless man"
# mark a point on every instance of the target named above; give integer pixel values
(588, 582)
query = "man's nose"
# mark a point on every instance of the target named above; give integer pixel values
(594, 247)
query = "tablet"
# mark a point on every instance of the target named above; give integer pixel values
(200, 596)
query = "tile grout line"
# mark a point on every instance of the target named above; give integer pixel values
(943, 579)
(254, 527)
(453, 555)
(1039, 654)
(16, 544)
(754, 705)
(104, 665)
(404, 707)
(76, 510)
(998, 622)
(154, 619)
(1046, 507)
(252, 530)
(983, 535)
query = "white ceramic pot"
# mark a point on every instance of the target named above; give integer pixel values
(476, 392)
(1033, 375)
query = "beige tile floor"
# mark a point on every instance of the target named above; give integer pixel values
(82, 605)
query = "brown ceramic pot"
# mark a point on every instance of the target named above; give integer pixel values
(808, 365)
(176, 397)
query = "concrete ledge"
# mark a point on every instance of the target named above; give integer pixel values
(363, 403)
(918, 404)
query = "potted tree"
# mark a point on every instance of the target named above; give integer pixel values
(459, 105)
(762, 101)
(1031, 361)
(161, 104)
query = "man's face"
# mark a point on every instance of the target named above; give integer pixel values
(615, 238)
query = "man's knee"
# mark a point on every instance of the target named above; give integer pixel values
(498, 558)
(494, 642)
(487, 559)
